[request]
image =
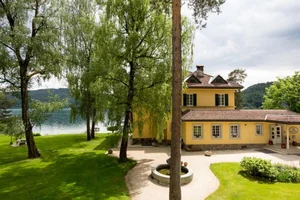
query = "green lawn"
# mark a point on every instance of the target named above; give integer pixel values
(234, 186)
(70, 168)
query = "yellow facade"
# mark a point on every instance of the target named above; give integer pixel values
(206, 98)
(246, 130)
(295, 136)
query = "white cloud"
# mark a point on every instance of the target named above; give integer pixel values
(51, 83)
(262, 37)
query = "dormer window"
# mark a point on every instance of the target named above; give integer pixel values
(189, 99)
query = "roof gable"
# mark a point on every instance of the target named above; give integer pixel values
(219, 80)
(193, 79)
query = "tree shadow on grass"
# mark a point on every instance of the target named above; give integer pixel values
(255, 179)
(110, 141)
(88, 175)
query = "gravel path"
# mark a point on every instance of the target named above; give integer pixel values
(204, 182)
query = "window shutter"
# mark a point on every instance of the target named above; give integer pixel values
(217, 99)
(226, 99)
(195, 99)
(184, 99)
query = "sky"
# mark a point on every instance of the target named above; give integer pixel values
(260, 36)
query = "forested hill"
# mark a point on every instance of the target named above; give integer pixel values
(43, 95)
(253, 95)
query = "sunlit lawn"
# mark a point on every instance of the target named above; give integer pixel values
(70, 168)
(235, 186)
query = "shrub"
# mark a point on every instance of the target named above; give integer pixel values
(259, 168)
(287, 173)
(36, 134)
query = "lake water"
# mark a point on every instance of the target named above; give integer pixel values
(59, 123)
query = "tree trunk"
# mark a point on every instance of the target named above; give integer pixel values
(175, 167)
(93, 124)
(128, 114)
(87, 116)
(32, 150)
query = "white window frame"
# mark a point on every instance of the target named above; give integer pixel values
(201, 131)
(221, 99)
(189, 99)
(260, 129)
(236, 132)
(213, 131)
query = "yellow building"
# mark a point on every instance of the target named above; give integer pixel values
(211, 121)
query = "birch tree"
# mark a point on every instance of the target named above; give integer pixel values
(79, 32)
(29, 39)
(137, 65)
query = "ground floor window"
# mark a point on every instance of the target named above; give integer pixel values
(234, 131)
(258, 129)
(216, 131)
(198, 131)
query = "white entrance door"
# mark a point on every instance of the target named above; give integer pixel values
(276, 134)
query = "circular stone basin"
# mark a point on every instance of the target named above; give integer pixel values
(165, 179)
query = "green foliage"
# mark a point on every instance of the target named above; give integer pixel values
(13, 127)
(37, 134)
(9, 125)
(237, 75)
(234, 185)
(259, 168)
(112, 128)
(30, 40)
(43, 95)
(135, 47)
(265, 170)
(71, 167)
(79, 28)
(5, 103)
(287, 173)
(284, 94)
(253, 95)
(42, 110)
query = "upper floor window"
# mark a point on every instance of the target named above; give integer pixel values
(216, 131)
(235, 131)
(258, 129)
(221, 99)
(198, 131)
(189, 99)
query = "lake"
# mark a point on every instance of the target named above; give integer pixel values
(59, 123)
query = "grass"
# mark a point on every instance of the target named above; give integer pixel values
(70, 168)
(233, 185)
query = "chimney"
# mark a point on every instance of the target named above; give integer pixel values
(200, 69)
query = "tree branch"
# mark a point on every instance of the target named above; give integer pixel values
(41, 72)
(118, 80)
(6, 45)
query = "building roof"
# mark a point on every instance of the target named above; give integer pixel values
(208, 81)
(283, 116)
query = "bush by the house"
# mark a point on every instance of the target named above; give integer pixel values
(264, 170)
(287, 173)
(260, 168)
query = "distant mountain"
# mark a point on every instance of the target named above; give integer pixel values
(43, 95)
(253, 95)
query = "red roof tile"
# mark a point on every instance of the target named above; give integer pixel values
(241, 115)
(206, 82)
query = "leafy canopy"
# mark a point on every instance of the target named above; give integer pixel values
(284, 94)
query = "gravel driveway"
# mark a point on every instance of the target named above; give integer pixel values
(204, 182)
